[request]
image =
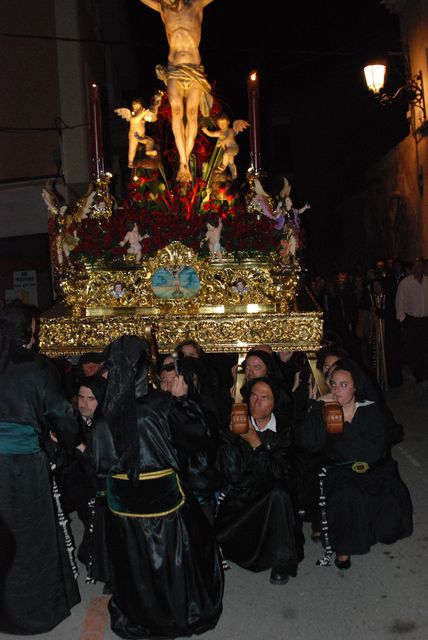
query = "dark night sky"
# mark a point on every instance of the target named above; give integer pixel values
(310, 58)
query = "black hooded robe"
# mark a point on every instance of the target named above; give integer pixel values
(255, 523)
(167, 578)
(37, 585)
(363, 506)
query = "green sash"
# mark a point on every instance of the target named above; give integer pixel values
(157, 493)
(18, 438)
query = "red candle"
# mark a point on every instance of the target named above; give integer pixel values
(96, 130)
(253, 113)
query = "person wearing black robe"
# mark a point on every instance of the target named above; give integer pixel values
(258, 363)
(255, 521)
(362, 497)
(215, 404)
(37, 572)
(85, 488)
(167, 578)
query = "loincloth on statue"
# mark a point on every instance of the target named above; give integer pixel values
(187, 75)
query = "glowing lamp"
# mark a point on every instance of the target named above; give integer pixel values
(375, 76)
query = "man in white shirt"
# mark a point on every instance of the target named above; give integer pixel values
(411, 303)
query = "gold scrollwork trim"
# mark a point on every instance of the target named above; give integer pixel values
(295, 331)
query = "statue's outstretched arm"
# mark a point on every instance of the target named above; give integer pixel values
(155, 4)
(211, 134)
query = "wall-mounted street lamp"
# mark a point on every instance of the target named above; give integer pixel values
(412, 91)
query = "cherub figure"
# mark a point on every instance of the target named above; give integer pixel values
(239, 287)
(137, 119)
(212, 237)
(133, 238)
(226, 141)
(118, 291)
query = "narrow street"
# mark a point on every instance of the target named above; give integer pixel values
(383, 596)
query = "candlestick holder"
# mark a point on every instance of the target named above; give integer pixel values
(102, 204)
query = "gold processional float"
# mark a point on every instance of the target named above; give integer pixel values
(195, 260)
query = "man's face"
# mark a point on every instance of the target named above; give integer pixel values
(91, 368)
(170, 4)
(166, 380)
(261, 401)
(86, 402)
(254, 368)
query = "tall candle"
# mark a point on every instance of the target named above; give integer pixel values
(253, 114)
(96, 130)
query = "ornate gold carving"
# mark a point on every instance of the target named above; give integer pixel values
(217, 333)
(175, 254)
(239, 304)
(90, 289)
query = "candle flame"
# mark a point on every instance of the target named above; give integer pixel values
(253, 76)
(94, 85)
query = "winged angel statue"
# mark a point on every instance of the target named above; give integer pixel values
(137, 117)
(66, 219)
(226, 141)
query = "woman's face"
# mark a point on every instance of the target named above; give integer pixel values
(342, 387)
(255, 368)
(328, 363)
(190, 351)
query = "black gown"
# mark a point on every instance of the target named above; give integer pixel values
(255, 522)
(83, 490)
(167, 577)
(363, 505)
(37, 583)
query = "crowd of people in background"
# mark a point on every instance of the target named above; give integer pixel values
(174, 480)
(361, 307)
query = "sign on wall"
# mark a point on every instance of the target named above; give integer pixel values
(24, 287)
